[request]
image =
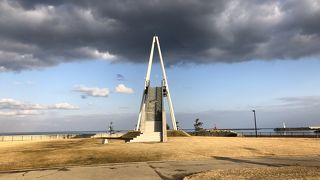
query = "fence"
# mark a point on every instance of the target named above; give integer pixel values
(303, 134)
(56, 136)
(35, 137)
(280, 134)
(6, 138)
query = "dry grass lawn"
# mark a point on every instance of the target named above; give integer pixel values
(284, 173)
(40, 154)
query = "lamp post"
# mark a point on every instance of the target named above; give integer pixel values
(255, 122)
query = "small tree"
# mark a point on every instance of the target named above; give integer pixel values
(177, 123)
(167, 126)
(198, 125)
(110, 129)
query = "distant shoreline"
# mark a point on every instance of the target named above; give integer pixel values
(238, 130)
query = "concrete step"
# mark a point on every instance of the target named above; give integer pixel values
(145, 140)
(148, 137)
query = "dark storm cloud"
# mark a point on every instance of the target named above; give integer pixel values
(39, 33)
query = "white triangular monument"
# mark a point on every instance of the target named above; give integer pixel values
(152, 116)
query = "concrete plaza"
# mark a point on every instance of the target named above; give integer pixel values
(159, 169)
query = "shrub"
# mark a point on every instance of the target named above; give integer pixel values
(177, 133)
(221, 133)
(131, 135)
(83, 135)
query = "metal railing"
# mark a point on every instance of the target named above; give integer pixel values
(280, 134)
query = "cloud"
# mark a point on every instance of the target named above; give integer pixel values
(301, 101)
(94, 53)
(121, 121)
(36, 34)
(66, 106)
(101, 92)
(20, 113)
(121, 88)
(3, 69)
(266, 118)
(8, 103)
(92, 91)
(295, 111)
(11, 107)
(24, 83)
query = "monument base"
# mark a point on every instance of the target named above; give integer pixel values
(153, 122)
(148, 137)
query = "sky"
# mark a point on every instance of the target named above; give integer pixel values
(78, 65)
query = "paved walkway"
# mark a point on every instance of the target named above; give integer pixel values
(157, 170)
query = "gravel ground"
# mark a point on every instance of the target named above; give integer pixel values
(292, 172)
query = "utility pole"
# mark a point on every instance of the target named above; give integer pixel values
(255, 122)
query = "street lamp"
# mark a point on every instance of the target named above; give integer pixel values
(255, 122)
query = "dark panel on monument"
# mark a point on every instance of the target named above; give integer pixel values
(154, 104)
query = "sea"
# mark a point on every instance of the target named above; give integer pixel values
(248, 131)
